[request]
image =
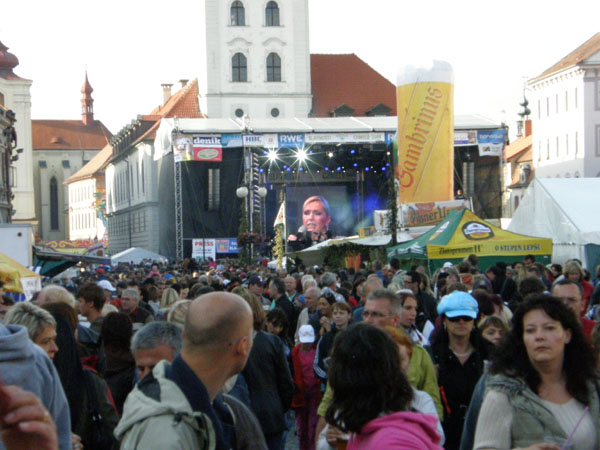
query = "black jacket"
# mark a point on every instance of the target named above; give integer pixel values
(269, 382)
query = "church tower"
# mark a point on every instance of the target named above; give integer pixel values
(257, 59)
(87, 102)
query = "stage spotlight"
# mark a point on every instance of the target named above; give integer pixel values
(338, 168)
(352, 152)
(301, 155)
(285, 166)
(387, 164)
(355, 165)
(272, 155)
(261, 170)
(330, 154)
(366, 169)
(301, 169)
(326, 169)
(383, 169)
(288, 169)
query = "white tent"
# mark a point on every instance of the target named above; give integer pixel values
(566, 210)
(136, 255)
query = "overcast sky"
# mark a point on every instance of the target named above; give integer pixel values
(130, 47)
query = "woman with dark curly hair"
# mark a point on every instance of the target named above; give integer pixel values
(542, 391)
(372, 396)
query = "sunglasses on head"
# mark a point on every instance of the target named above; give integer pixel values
(463, 318)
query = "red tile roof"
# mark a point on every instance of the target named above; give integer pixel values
(574, 58)
(517, 147)
(69, 135)
(95, 165)
(347, 79)
(183, 103)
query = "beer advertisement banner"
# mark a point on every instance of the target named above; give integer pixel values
(425, 145)
(432, 213)
(491, 142)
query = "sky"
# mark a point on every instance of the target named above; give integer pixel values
(130, 47)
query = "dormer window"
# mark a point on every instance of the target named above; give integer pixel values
(238, 14)
(342, 111)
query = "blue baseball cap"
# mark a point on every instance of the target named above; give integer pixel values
(458, 304)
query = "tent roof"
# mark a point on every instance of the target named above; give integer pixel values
(461, 233)
(136, 254)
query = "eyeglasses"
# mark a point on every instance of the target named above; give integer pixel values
(463, 318)
(375, 315)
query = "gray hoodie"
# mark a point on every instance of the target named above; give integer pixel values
(24, 364)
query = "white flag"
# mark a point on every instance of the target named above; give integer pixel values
(280, 219)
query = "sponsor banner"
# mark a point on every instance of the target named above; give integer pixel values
(253, 140)
(489, 248)
(462, 138)
(291, 141)
(204, 248)
(198, 148)
(381, 219)
(226, 245)
(231, 140)
(432, 213)
(424, 171)
(343, 138)
(491, 142)
(270, 141)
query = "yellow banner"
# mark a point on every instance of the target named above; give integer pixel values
(536, 246)
(424, 171)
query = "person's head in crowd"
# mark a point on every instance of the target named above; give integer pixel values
(493, 272)
(63, 310)
(329, 280)
(41, 326)
(409, 307)
(459, 311)
(107, 287)
(217, 337)
(315, 214)
(154, 342)
(458, 286)
(282, 273)
(129, 301)
(472, 259)
(169, 297)
(152, 293)
(493, 329)
(53, 293)
(134, 284)
(116, 331)
(530, 285)
(276, 288)
(533, 271)
(1, 287)
(258, 312)
(256, 285)
(545, 332)
(120, 286)
(528, 260)
(308, 281)
(311, 297)
(108, 308)
(276, 322)
(412, 281)
(366, 377)
(91, 300)
(200, 289)
(453, 276)
(404, 343)
(178, 312)
(325, 303)
(464, 267)
(341, 313)
(383, 307)
(370, 285)
(290, 284)
(571, 294)
(556, 270)
(484, 300)
(6, 302)
(574, 272)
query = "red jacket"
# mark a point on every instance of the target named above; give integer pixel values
(298, 401)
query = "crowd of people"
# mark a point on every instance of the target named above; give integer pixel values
(218, 356)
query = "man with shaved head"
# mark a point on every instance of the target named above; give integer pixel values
(176, 405)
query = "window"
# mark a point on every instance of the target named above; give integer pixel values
(273, 67)
(575, 98)
(239, 68)
(547, 106)
(275, 112)
(143, 181)
(239, 112)
(272, 15)
(547, 148)
(214, 189)
(53, 204)
(597, 140)
(238, 15)
(567, 144)
(539, 110)
(516, 201)
(576, 142)
(539, 150)
(556, 103)
(566, 101)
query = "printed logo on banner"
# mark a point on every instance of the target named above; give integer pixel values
(291, 140)
(491, 142)
(205, 148)
(477, 231)
(253, 140)
(231, 140)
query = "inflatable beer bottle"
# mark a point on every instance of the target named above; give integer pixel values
(425, 153)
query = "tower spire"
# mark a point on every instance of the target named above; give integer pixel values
(87, 102)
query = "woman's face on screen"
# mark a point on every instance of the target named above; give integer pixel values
(315, 218)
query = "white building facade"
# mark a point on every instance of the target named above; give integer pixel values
(257, 59)
(566, 119)
(15, 94)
